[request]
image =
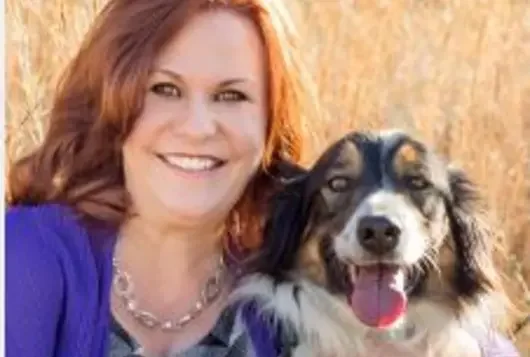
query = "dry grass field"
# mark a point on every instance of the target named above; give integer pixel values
(455, 71)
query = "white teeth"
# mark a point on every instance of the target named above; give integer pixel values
(191, 163)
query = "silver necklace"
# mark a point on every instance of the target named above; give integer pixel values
(124, 289)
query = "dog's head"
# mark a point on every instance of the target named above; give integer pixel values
(382, 221)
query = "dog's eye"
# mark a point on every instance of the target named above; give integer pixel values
(417, 182)
(339, 183)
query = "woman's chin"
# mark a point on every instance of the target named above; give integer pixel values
(195, 212)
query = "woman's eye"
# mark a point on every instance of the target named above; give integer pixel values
(166, 90)
(231, 96)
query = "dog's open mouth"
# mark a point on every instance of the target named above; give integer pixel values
(378, 297)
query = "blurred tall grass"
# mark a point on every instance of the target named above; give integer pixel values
(457, 72)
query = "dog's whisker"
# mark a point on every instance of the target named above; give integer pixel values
(431, 263)
(411, 269)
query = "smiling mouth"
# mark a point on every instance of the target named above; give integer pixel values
(192, 163)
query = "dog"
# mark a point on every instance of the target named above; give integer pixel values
(382, 248)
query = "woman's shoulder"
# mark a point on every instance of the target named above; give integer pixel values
(52, 278)
(38, 225)
(49, 214)
(46, 229)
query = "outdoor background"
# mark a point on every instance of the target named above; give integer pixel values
(455, 71)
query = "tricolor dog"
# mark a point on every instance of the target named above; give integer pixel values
(380, 249)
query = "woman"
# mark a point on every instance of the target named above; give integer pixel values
(126, 225)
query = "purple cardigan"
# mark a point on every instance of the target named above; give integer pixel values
(58, 277)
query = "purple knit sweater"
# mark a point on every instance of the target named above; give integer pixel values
(58, 277)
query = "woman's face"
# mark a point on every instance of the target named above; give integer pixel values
(201, 134)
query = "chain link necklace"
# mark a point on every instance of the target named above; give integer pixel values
(124, 289)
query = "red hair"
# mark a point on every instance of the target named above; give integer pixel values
(101, 94)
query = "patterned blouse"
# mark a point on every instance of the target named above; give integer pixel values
(227, 339)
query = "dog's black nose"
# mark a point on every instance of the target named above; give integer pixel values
(378, 234)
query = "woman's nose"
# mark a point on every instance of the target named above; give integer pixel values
(199, 121)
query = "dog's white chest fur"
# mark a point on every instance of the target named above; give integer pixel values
(326, 327)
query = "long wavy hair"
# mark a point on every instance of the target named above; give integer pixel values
(101, 94)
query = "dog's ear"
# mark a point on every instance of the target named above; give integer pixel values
(473, 237)
(284, 228)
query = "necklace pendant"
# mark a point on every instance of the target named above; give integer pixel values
(146, 318)
(185, 319)
(167, 326)
(123, 285)
(131, 305)
(211, 290)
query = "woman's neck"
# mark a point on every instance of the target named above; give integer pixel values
(170, 253)
(168, 269)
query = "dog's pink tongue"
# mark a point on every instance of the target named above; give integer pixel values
(378, 298)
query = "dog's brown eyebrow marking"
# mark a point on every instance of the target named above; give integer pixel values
(408, 153)
(407, 156)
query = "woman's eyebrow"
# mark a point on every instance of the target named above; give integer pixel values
(225, 83)
(229, 82)
(169, 73)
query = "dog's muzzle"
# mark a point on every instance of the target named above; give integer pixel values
(378, 297)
